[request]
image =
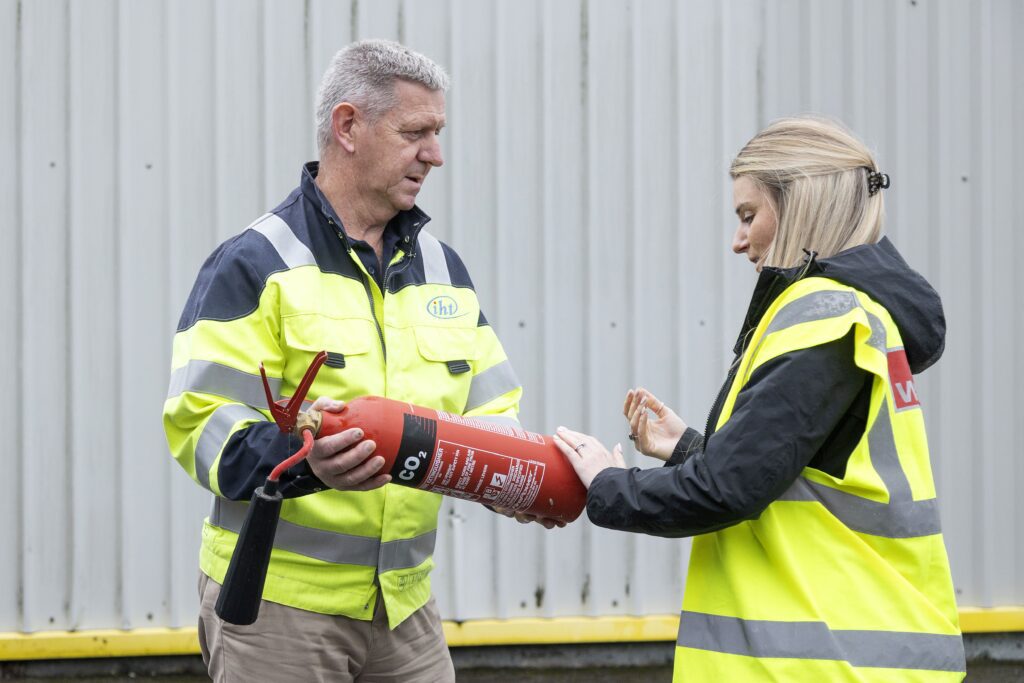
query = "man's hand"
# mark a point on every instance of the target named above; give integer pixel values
(524, 518)
(344, 461)
(658, 437)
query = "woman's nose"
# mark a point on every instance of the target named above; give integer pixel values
(740, 243)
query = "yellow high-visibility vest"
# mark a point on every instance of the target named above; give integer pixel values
(839, 579)
(425, 343)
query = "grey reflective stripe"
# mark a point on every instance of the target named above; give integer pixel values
(331, 546)
(207, 377)
(815, 640)
(490, 384)
(878, 336)
(897, 519)
(814, 306)
(291, 250)
(497, 419)
(884, 457)
(215, 433)
(435, 265)
(407, 552)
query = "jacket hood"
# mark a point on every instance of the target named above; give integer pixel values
(879, 271)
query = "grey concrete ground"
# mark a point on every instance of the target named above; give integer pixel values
(992, 658)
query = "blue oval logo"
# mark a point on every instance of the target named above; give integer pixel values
(443, 307)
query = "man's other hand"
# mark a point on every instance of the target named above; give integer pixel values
(524, 518)
(344, 461)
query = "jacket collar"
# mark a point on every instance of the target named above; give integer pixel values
(879, 271)
(406, 224)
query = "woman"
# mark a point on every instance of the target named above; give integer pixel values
(818, 554)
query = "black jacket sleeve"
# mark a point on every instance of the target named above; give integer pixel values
(690, 443)
(251, 453)
(781, 419)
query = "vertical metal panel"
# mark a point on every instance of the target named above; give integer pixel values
(563, 137)
(653, 573)
(191, 210)
(586, 188)
(94, 555)
(1014, 507)
(141, 247)
(11, 284)
(44, 326)
(517, 243)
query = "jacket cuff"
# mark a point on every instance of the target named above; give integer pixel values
(691, 442)
(304, 483)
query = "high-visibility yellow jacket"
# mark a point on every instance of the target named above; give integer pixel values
(830, 570)
(286, 288)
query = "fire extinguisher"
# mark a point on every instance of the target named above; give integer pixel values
(486, 462)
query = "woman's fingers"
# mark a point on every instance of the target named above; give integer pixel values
(567, 450)
(656, 404)
(626, 405)
(617, 456)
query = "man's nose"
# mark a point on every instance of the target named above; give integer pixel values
(430, 153)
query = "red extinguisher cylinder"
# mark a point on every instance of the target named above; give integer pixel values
(492, 463)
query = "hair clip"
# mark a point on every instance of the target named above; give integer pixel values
(877, 181)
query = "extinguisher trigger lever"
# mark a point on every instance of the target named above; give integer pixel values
(286, 416)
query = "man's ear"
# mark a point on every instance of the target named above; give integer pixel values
(344, 118)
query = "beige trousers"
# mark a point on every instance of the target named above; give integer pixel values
(288, 644)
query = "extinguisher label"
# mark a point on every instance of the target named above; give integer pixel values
(419, 435)
(484, 476)
(496, 428)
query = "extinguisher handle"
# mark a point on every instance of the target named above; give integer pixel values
(240, 596)
(286, 416)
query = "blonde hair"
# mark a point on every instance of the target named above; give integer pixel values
(815, 172)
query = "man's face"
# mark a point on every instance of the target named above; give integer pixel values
(395, 153)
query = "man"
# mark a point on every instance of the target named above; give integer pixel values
(343, 265)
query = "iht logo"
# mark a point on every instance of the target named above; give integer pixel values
(904, 392)
(443, 307)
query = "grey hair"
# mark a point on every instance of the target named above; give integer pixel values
(364, 74)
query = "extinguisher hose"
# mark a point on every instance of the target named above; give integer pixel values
(291, 461)
(240, 595)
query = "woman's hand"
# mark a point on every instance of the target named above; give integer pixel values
(654, 437)
(586, 454)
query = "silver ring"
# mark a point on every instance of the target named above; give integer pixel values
(578, 446)
(632, 437)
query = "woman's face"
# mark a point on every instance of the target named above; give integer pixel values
(758, 220)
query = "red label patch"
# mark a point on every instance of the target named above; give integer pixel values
(904, 392)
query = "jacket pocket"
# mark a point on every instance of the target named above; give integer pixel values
(340, 338)
(447, 355)
(444, 344)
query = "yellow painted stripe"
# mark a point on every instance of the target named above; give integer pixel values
(563, 630)
(139, 642)
(992, 619)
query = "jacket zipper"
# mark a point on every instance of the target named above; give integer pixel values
(716, 407)
(388, 274)
(366, 281)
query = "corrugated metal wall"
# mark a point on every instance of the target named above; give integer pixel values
(586, 188)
